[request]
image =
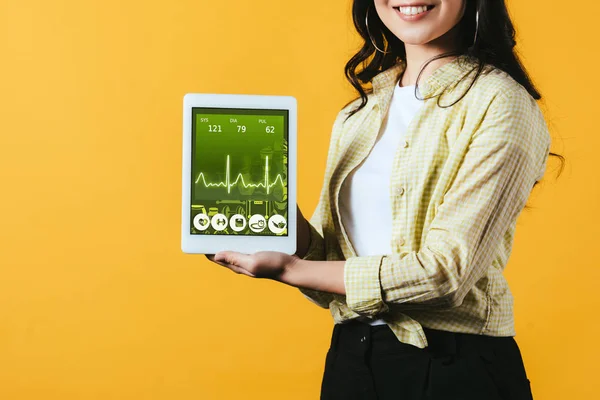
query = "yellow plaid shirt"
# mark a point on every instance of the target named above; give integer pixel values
(456, 191)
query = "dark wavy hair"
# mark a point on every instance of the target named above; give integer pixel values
(494, 46)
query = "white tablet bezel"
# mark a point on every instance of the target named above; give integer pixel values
(210, 244)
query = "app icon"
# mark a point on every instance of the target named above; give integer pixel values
(237, 222)
(277, 223)
(201, 221)
(219, 222)
(257, 223)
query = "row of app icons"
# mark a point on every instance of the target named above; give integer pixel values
(237, 222)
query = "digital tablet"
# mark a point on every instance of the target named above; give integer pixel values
(239, 173)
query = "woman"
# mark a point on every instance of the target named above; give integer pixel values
(427, 172)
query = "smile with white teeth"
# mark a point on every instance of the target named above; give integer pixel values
(413, 10)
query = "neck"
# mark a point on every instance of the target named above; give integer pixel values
(418, 55)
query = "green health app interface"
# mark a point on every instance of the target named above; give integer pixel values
(239, 172)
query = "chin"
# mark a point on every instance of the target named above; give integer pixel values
(417, 40)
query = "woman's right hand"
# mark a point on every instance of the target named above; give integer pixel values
(302, 236)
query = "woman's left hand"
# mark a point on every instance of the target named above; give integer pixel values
(262, 264)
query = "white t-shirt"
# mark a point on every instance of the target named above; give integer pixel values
(365, 195)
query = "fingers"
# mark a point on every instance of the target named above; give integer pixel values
(239, 270)
(235, 268)
(237, 262)
(233, 257)
(225, 256)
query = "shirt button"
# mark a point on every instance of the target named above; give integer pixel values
(405, 144)
(401, 241)
(400, 191)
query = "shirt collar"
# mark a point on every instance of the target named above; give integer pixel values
(441, 77)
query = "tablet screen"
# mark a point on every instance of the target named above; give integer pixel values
(239, 173)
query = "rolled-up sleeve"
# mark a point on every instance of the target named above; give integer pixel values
(316, 247)
(319, 249)
(316, 252)
(492, 184)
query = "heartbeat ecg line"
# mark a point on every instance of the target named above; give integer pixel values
(228, 184)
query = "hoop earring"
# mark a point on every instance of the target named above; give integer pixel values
(369, 33)
(476, 27)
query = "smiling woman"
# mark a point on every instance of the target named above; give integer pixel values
(424, 223)
(428, 170)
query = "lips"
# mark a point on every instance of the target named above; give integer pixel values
(413, 5)
(428, 7)
(403, 12)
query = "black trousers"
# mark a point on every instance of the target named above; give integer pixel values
(367, 362)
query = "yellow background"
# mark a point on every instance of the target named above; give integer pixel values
(97, 301)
